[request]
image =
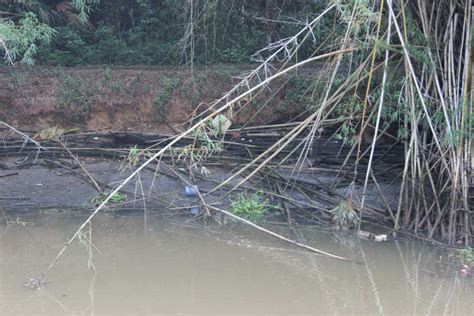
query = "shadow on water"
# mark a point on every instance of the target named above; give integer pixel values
(186, 267)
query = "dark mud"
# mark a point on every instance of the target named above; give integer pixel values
(40, 185)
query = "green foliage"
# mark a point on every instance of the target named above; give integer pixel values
(392, 114)
(18, 41)
(347, 133)
(84, 7)
(68, 49)
(344, 217)
(415, 33)
(345, 112)
(364, 14)
(122, 32)
(251, 207)
(115, 198)
(204, 147)
(455, 136)
(133, 158)
(20, 78)
(419, 55)
(75, 97)
(194, 88)
(466, 256)
(136, 87)
(417, 43)
(115, 87)
(297, 91)
(162, 98)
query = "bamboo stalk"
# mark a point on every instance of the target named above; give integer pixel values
(280, 237)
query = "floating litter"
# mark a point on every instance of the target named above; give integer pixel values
(195, 211)
(191, 190)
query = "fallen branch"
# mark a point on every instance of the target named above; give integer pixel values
(269, 232)
(91, 178)
(8, 174)
(25, 137)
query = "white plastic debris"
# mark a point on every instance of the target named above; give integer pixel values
(370, 236)
(221, 124)
(380, 238)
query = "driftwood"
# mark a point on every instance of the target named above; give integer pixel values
(280, 237)
(91, 178)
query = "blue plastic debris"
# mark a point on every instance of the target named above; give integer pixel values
(195, 211)
(191, 190)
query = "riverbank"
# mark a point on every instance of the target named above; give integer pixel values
(153, 99)
(77, 171)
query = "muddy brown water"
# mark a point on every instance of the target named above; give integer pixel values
(177, 266)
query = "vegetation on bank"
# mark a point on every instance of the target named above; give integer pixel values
(465, 256)
(395, 73)
(141, 32)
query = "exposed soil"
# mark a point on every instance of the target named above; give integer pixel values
(141, 99)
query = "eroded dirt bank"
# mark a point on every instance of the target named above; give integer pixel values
(140, 98)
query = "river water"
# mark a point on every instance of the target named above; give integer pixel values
(178, 266)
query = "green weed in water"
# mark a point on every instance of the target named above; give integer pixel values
(344, 217)
(251, 207)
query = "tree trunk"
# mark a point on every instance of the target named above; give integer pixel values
(271, 11)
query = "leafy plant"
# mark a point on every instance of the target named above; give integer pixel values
(19, 41)
(251, 207)
(157, 32)
(133, 155)
(344, 217)
(134, 87)
(115, 87)
(297, 91)
(466, 256)
(194, 88)
(161, 99)
(115, 198)
(193, 155)
(75, 97)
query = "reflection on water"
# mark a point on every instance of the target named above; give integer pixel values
(182, 268)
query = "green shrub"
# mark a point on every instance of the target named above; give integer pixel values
(162, 98)
(344, 217)
(466, 256)
(152, 32)
(75, 97)
(114, 199)
(67, 49)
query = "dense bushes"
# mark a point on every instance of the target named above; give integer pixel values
(133, 32)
